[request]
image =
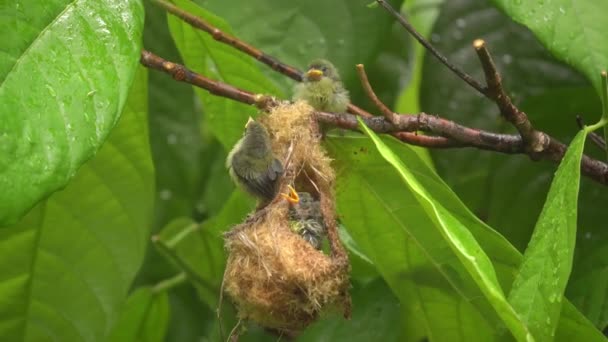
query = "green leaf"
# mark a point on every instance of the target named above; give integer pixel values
(67, 265)
(422, 14)
(540, 283)
(201, 53)
(393, 230)
(459, 239)
(375, 318)
(588, 285)
(144, 318)
(574, 31)
(65, 72)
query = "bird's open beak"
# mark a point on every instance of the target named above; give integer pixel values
(248, 122)
(292, 197)
(314, 74)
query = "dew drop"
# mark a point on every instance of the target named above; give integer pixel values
(165, 194)
(171, 139)
(507, 59)
(51, 90)
(461, 23)
(435, 38)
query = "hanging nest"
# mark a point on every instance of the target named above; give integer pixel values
(275, 277)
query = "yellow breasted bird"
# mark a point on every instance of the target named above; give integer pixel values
(253, 166)
(322, 88)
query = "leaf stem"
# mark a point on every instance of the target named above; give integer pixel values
(597, 125)
(167, 284)
(182, 234)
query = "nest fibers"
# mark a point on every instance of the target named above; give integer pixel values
(273, 275)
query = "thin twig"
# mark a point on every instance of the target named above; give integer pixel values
(233, 336)
(219, 306)
(595, 138)
(183, 74)
(535, 140)
(427, 45)
(388, 114)
(448, 134)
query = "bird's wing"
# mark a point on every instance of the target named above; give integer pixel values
(263, 183)
(275, 170)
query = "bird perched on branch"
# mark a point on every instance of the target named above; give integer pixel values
(322, 88)
(305, 217)
(253, 166)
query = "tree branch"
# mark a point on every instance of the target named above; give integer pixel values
(450, 134)
(534, 140)
(388, 114)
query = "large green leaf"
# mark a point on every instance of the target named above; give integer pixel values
(393, 231)
(202, 250)
(201, 53)
(456, 235)
(541, 281)
(65, 72)
(573, 30)
(67, 265)
(527, 70)
(144, 317)
(375, 318)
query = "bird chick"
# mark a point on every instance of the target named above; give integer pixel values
(305, 217)
(253, 166)
(322, 88)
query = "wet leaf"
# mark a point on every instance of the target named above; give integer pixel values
(65, 73)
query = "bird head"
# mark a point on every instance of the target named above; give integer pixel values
(320, 68)
(256, 138)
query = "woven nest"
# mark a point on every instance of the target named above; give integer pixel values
(273, 275)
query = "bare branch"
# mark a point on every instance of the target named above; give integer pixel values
(447, 134)
(535, 140)
(388, 114)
